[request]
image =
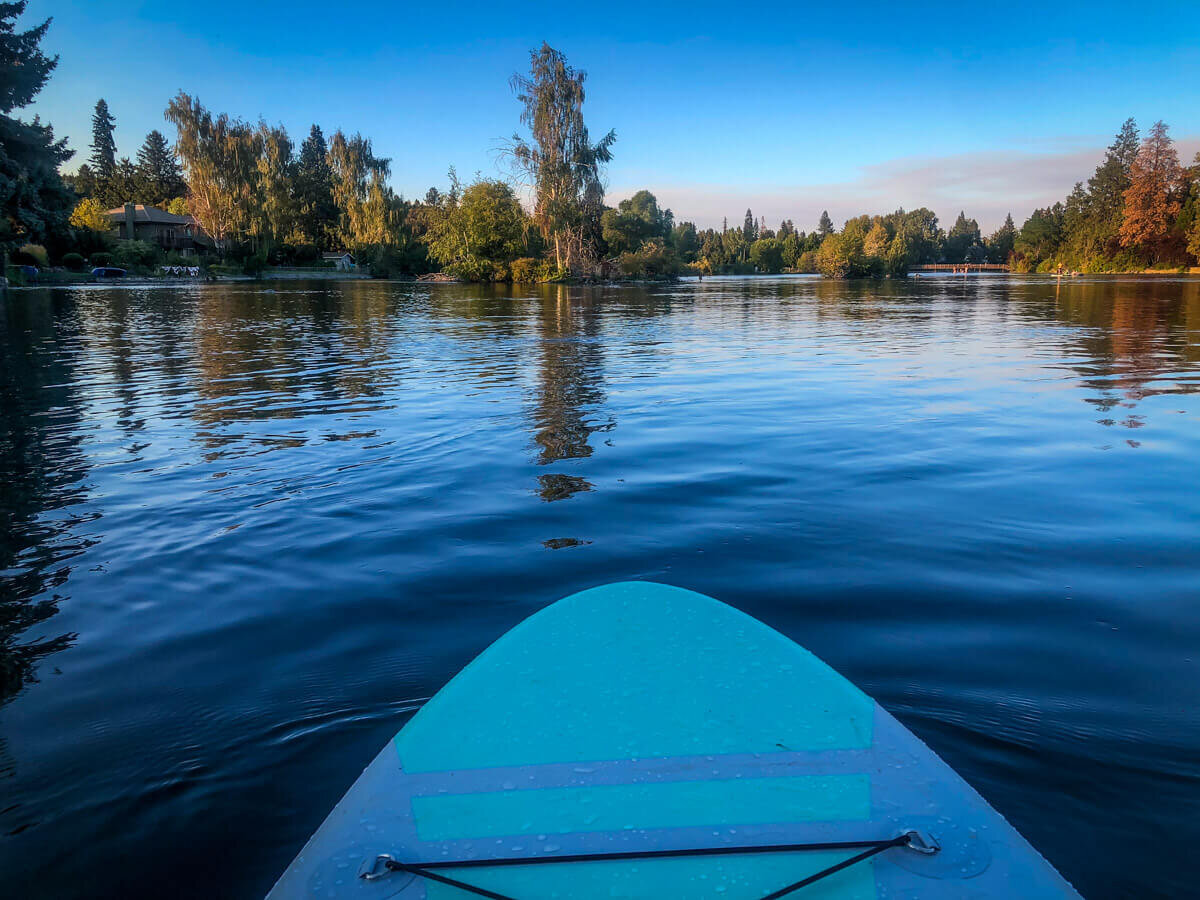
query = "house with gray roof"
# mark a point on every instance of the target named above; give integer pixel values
(137, 222)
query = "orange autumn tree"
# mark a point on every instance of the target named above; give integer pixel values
(1152, 201)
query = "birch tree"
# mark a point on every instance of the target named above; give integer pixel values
(563, 166)
(220, 160)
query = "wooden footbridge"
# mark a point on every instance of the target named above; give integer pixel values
(962, 268)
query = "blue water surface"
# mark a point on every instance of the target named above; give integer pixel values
(246, 529)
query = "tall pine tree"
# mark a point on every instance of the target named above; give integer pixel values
(1000, 244)
(35, 204)
(104, 147)
(1102, 207)
(159, 178)
(317, 214)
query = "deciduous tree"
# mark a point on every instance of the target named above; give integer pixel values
(482, 233)
(634, 222)
(562, 164)
(220, 158)
(89, 213)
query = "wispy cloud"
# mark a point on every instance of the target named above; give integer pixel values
(987, 185)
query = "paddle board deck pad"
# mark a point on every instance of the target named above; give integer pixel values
(644, 741)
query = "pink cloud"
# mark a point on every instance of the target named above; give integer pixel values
(987, 185)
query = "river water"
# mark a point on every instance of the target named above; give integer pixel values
(246, 529)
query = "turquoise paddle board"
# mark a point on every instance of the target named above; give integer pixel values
(644, 741)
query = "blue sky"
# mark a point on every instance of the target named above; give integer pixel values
(787, 108)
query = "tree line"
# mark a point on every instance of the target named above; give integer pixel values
(1140, 208)
(262, 199)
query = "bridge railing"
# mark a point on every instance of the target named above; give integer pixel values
(961, 267)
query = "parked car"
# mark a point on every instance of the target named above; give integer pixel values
(108, 272)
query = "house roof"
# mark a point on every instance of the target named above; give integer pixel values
(341, 255)
(151, 215)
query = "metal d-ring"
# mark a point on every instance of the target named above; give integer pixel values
(921, 842)
(378, 868)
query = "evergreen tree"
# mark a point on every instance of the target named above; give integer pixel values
(35, 204)
(104, 147)
(159, 176)
(1039, 239)
(963, 242)
(1000, 244)
(123, 186)
(1153, 200)
(1107, 187)
(749, 229)
(825, 225)
(685, 241)
(314, 190)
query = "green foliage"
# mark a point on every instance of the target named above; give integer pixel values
(559, 158)
(766, 255)
(104, 147)
(316, 211)
(963, 242)
(34, 202)
(159, 178)
(367, 214)
(528, 270)
(479, 235)
(841, 255)
(134, 254)
(101, 259)
(220, 159)
(686, 241)
(652, 260)
(73, 261)
(254, 264)
(1039, 238)
(1000, 244)
(806, 263)
(636, 221)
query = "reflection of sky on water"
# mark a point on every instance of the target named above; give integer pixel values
(230, 513)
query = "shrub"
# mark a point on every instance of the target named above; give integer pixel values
(101, 259)
(135, 254)
(807, 262)
(524, 270)
(73, 261)
(652, 260)
(34, 255)
(300, 254)
(254, 264)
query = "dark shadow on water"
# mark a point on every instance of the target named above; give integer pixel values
(43, 473)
